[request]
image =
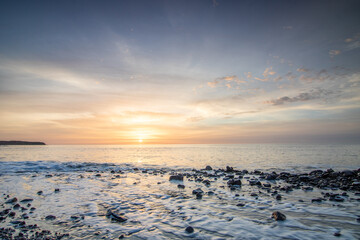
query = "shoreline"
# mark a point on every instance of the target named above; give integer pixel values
(253, 195)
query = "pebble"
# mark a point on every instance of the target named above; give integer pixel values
(189, 229)
(278, 216)
(50, 217)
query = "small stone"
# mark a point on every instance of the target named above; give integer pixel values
(278, 216)
(26, 200)
(199, 196)
(176, 178)
(181, 186)
(16, 206)
(278, 197)
(114, 216)
(50, 217)
(12, 200)
(240, 204)
(198, 190)
(39, 192)
(57, 190)
(189, 229)
(337, 234)
(208, 168)
(121, 236)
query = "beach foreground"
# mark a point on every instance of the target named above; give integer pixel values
(141, 203)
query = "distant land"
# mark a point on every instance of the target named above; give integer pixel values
(20, 143)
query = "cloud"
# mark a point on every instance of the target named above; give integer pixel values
(301, 97)
(302, 70)
(268, 71)
(213, 83)
(248, 75)
(227, 79)
(353, 42)
(262, 79)
(334, 53)
(307, 79)
(290, 76)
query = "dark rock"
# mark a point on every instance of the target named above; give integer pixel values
(316, 172)
(337, 234)
(50, 217)
(57, 190)
(278, 216)
(278, 197)
(206, 182)
(181, 186)
(240, 204)
(26, 200)
(253, 195)
(114, 216)
(316, 200)
(189, 229)
(339, 199)
(307, 188)
(267, 185)
(198, 190)
(199, 195)
(208, 168)
(229, 169)
(39, 192)
(176, 178)
(98, 175)
(210, 193)
(16, 206)
(48, 175)
(253, 182)
(271, 177)
(12, 214)
(12, 200)
(348, 173)
(234, 182)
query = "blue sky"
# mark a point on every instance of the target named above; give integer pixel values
(74, 72)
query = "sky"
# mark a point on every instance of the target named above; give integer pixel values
(163, 72)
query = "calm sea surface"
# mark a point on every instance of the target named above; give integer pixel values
(245, 156)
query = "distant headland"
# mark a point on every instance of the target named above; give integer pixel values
(20, 143)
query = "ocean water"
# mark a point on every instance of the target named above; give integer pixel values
(267, 157)
(93, 179)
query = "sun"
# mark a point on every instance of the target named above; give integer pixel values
(140, 140)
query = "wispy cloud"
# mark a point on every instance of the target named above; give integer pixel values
(268, 72)
(334, 53)
(302, 70)
(301, 97)
(227, 79)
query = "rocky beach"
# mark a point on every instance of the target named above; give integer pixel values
(107, 201)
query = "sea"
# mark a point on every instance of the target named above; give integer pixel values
(267, 157)
(79, 184)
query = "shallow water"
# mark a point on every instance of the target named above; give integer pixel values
(157, 209)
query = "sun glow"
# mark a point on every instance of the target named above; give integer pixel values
(140, 140)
